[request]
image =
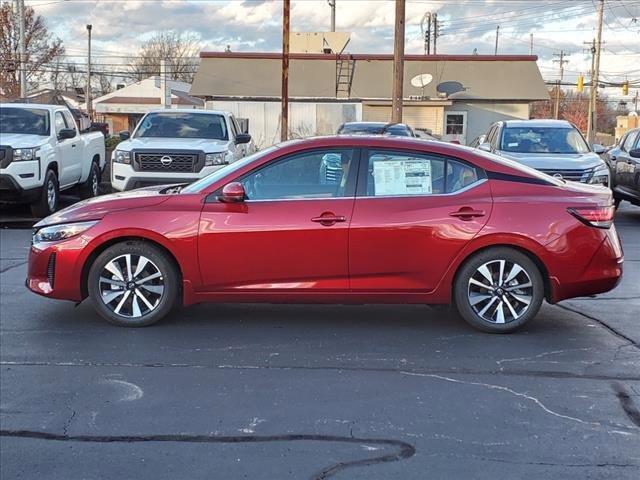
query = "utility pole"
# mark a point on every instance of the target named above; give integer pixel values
(332, 4)
(87, 89)
(594, 124)
(436, 32)
(495, 52)
(398, 64)
(426, 19)
(592, 94)
(531, 43)
(22, 49)
(284, 124)
(165, 91)
(561, 61)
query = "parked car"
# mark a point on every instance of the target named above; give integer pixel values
(555, 147)
(42, 153)
(177, 146)
(624, 163)
(410, 222)
(376, 128)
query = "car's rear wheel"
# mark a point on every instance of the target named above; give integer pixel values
(498, 290)
(91, 187)
(133, 284)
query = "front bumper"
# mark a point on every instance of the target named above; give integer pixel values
(124, 177)
(13, 192)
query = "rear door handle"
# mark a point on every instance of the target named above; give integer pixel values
(329, 219)
(466, 213)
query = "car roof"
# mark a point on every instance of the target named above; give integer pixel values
(375, 124)
(189, 110)
(538, 123)
(41, 106)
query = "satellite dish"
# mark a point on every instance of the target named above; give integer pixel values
(421, 81)
(450, 88)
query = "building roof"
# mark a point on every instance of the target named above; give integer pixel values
(147, 92)
(252, 75)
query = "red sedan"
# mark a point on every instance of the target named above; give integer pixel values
(338, 220)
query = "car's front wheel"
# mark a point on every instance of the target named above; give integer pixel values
(498, 290)
(133, 284)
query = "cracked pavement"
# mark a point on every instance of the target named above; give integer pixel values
(290, 391)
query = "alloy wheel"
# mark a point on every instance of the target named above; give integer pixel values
(500, 291)
(131, 285)
(95, 184)
(51, 196)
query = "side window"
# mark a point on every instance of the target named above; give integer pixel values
(233, 126)
(460, 175)
(392, 173)
(629, 141)
(59, 122)
(314, 174)
(71, 123)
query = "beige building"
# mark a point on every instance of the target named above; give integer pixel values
(625, 123)
(455, 96)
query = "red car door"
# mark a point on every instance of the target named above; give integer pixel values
(291, 232)
(414, 212)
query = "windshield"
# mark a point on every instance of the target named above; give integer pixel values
(372, 128)
(543, 140)
(183, 125)
(28, 121)
(210, 179)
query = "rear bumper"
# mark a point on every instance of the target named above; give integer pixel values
(602, 274)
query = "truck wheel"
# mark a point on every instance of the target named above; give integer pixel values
(49, 197)
(133, 284)
(498, 290)
(91, 187)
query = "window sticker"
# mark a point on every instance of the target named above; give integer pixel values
(402, 177)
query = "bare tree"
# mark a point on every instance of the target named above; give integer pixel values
(41, 47)
(179, 49)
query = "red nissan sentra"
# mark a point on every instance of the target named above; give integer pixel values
(338, 220)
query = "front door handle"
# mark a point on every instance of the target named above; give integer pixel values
(467, 213)
(329, 218)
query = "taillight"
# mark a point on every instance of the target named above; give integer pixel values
(599, 217)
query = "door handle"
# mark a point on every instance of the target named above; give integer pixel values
(328, 219)
(467, 213)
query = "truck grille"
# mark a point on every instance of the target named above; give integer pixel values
(166, 162)
(6, 156)
(577, 175)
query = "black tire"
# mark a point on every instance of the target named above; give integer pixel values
(91, 187)
(159, 260)
(506, 294)
(49, 196)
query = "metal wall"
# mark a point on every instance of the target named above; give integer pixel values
(306, 119)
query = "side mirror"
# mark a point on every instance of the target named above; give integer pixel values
(598, 148)
(485, 147)
(635, 153)
(243, 138)
(233, 193)
(124, 135)
(66, 133)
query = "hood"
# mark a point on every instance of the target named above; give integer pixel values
(156, 143)
(20, 140)
(556, 161)
(97, 207)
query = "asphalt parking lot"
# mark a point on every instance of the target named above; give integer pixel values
(358, 392)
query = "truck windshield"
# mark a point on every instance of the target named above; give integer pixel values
(27, 121)
(543, 140)
(183, 125)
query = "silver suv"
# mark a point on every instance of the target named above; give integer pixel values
(555, 147)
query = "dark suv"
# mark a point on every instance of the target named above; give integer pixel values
(624, 162)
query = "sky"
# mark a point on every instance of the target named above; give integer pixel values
(120, 26)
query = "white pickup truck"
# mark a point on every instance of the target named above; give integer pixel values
(42, 152)
(177, 146)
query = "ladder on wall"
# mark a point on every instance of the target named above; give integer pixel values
(344, 76)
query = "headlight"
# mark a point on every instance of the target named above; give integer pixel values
(55, 233)
(600, 175)
(25, 154)
(122, 156)
(212, 159)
